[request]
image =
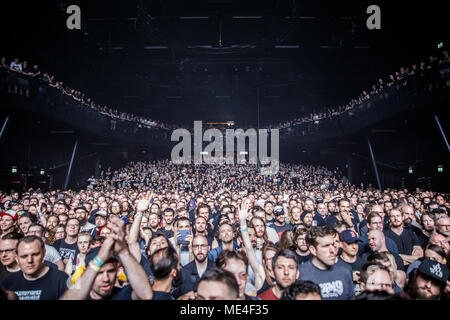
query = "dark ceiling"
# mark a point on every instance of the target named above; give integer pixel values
(180, 61)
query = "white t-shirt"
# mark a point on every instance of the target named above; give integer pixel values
(15, 66)
(51, 254)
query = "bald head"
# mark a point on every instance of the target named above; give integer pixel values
(377, 241)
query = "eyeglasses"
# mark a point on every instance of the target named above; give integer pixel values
(199, 246)
(7, 251)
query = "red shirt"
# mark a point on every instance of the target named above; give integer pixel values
(268, 295)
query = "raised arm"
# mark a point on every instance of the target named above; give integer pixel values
(133, 237)
(136, 275)
(83, 286)
(258, 269)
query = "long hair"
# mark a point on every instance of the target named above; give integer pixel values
(268, 247)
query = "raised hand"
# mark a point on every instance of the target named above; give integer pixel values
(117, 227)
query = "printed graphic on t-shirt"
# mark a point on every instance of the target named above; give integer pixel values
(331, 289)
(29, 295)
(66, 253)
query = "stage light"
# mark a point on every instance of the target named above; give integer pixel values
(410, 170)
(440, 168)
(14, 170)
(42, 172)
(440, 45)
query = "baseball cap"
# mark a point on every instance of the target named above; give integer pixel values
(278, 210)
(80, 207)
(349, 236)
(435, 270)
(101, 213)
(10, 213)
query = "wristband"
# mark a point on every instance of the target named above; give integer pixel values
(99, 262)
(244, 230)
(138, 215)
(94, 267)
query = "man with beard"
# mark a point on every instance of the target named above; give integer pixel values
(285, 271)
(407, 242)
(153, 222)
(409, 219)
(335, 280)
(343, 215)
(193, 271)
(443, 226)
(374, 222)
(200, 225)
(301, 247)
(429, 282)
(100, 221)
(349, 255)
(168, 216)
(280, 224)
(226, 237)
(268, 208)
(81, 215)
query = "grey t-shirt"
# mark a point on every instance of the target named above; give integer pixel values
(51, 254)
(335, 283)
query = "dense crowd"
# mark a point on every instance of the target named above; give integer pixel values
(422, 71)
(161, 231)
(20, 74)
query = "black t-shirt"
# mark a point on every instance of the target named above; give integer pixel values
(67, 251)
(168, 233)
(405, 241)
(4, 273)
(159, 295)
(49, 287)
(355, 266)
(280, 229)
(302, 259)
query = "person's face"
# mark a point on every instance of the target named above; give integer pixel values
(444, 226)
(226, 233)
(286, 272)
(238, 269)
(331, 207)
(296, 214)
(344, 207)
(375, 224)
(200, 224)
(252, 236)
(268, 208)
(105, 232)
(280, 219)
(100, 221)
(24, 224)
(388, 206)
(63, 219)
(6, 223)
(374, 239)
(379, 280)
(322, 209)
(307, 220)
(231, 217)
(8, 252)
(52, 222)
(213, 290)
(168, 217)
(268, 260)
(408, 215)
(30, 257)
(80, 214)
(103, 206)
(259, 228)
(183, 225)
(72, 227)
(153, 221)
(115, 208)
(83, 244)
(35, 231)
(203, 212)
(157, 243)
(396, 218)
(309, 205)
(325, 251)
(60, 233)
(105, 279)
(154, 208)
(426, 287)
(428, 223)
(440, 240)
(440, 200)
(378, 209)
(144, 223)
(350, 248)
(301, 243)
(200, 249)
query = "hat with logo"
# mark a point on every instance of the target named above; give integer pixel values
(278, 210)
(101, 213)
(94, 252)
(349, 236)
(10, 213)
(435, 270)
